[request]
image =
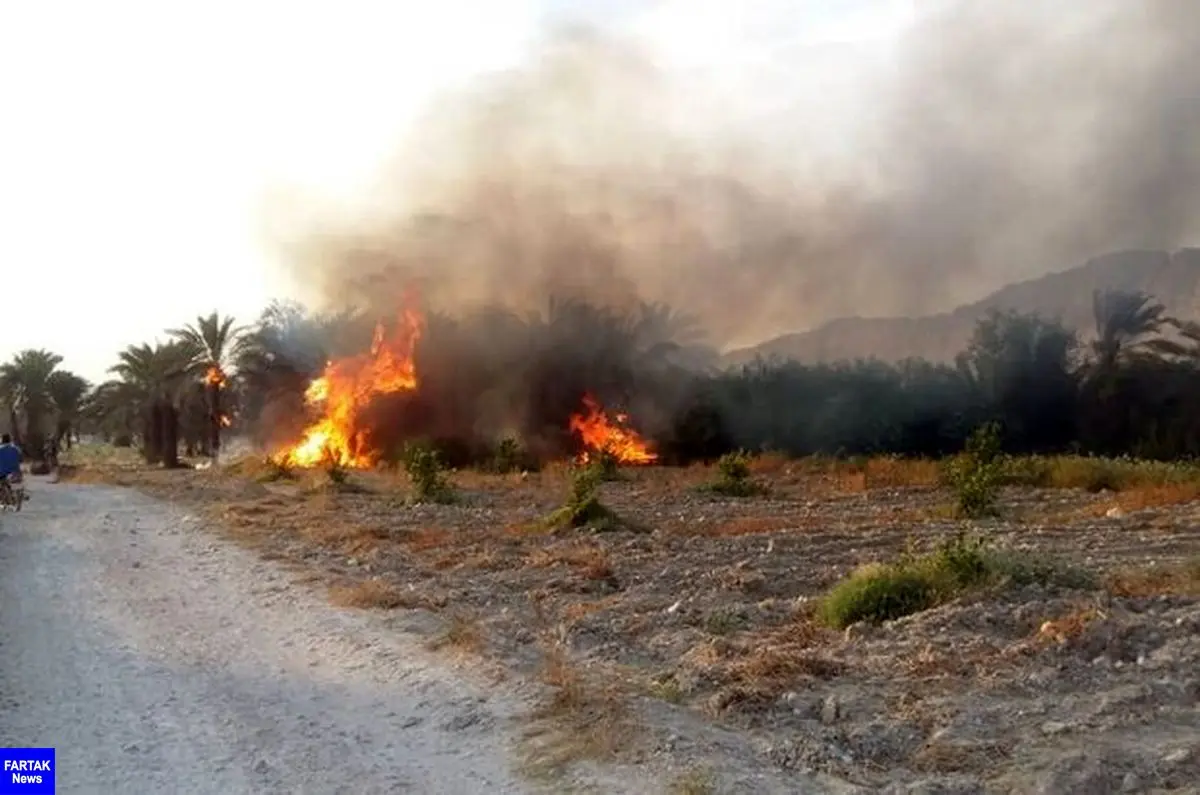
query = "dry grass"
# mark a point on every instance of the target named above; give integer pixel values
(590, 560)
(1158, 495)
(743, 526)
(579, 720)
(462, 633)
(1181, 580)
(426, 538)
(577, 611)
(890, 473)
(373, 594)
(774, 662)
(1065, 628)
(694, 782)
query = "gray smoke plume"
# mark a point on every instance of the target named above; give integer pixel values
(1004, 141)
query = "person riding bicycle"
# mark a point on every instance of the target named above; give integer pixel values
(10, 459)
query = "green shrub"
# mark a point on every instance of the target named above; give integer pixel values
(977, 473)
(733, 477)
(427, 475)
(886, 591)
(605, 466)
(583, 507)
(509, 456)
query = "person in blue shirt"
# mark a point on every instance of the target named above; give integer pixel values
(10, 457)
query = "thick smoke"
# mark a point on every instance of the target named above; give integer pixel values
(1005, 140)
(1010, 139)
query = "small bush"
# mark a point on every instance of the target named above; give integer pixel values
(583, 507)
(509, 456)
(426, 474)
(977, 473)
(606, 465)
(336, 473)
(733, 477)
(276, 470)
(887, 591)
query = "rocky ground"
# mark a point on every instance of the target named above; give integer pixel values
(691, 629)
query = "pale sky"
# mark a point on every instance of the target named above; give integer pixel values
(139, 137)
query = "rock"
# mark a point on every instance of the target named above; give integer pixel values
(351, 561)
(261, 766)
(830, 710)
(1131, 783)
(1114, 513)
(1053, 727)
(1177, 757)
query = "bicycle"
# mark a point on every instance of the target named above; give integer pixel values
(12, 493)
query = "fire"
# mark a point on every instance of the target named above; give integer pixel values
(601, 434)
(215, 377)
(346, 387)
(225, 421)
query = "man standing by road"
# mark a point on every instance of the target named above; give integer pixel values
(10, 457)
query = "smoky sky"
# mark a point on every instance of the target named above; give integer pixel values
(998, 142)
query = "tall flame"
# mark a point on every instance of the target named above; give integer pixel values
(215, 377)
(346, 387)
(614, 437)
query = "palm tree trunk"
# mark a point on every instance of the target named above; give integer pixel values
(214, 420)
(152, 441)
(170, 436)
(35, 438)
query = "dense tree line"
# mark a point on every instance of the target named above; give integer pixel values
(1131, 389)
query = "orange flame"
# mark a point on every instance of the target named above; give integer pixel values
(215, 377)
(346, 387)
(614, 437)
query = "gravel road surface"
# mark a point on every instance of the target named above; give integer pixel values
(157, 658)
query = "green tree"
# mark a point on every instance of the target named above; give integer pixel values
(24, 383)
(213, 341)
(156, 378)
(1020, 368)
(67, 392)
(1128, 324)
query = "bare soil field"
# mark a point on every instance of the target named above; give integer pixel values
(702, 610)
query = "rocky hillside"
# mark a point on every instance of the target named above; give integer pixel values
(1174, 278)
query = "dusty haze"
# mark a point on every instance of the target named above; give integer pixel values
(1008, 140)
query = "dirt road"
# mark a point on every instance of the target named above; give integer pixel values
(155, 658)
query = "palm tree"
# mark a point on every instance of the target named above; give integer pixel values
(24, 382)
(155, 378)
(67, 391)
(214, 341)
(112, 409)
(1127, 325)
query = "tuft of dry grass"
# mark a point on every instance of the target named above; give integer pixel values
(1065, 628)
(589, 559)
(374, 594)
(889, 473)
(1158, 495)
(580, 720)
(577, 611)
(694, 782)
(1179, 580)
(462, 633)
(426, 538)
(745, 525)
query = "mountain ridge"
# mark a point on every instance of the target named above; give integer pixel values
(1173, 277)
